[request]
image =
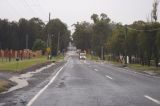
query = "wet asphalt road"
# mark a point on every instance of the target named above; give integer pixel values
(86, 83)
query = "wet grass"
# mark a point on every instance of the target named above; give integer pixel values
(92, 57)
(140, 67)
(15, 66)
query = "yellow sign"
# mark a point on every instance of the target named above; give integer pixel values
(48, 49)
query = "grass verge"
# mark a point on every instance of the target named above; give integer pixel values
(15, 66)
(139, 67)
(92, 57)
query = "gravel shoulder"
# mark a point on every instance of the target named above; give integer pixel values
(21, 96)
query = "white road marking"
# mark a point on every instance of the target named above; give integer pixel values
(44, 88)
(152, 99)
(109, 77)
(95, 69)
(86, 62)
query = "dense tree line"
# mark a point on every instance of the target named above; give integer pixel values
(139, 41)
(33, 34)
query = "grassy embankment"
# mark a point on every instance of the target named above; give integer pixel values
(91, 57)
(139, 67)
(15, 66)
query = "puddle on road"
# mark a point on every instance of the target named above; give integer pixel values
(21, 80)
(2, 104)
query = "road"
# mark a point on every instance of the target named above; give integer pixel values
(87, 83)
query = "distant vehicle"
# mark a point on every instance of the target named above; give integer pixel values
(82, 56)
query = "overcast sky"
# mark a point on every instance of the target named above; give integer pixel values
(71, 11)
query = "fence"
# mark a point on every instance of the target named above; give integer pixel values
(21, 54)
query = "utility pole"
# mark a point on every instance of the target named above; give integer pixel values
(27, 41)
(102, 52)
(49, 42)
(49, 16)
(49, 38)
(58, 42)
(101, 48)
(126, 44)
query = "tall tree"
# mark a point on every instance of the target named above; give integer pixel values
(83, 35)
(154, 11)
(102, 30)
(58, 33)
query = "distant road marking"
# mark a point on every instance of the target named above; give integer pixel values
(109, 77)
(95, 69)
(44, 88)
(87, 63)
(152, 99)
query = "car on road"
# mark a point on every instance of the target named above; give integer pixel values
(82, 56)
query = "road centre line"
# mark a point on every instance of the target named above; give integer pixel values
(89, 66)
(152, 99)
(44, 88)
(109, 77)
(95, 69)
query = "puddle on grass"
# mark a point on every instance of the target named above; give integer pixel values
(21, 80)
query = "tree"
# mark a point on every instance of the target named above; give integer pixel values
(35, 30)
(117, 41)
(95, 18)
(13, 35)
(83, 35)
(102, 30)
(154, 11)
(39, 45)
(59, 35)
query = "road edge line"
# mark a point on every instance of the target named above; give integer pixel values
(45, 87)
(109, 77)
(152, 99)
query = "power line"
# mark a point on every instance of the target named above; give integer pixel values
(39, 11)
(39, 5)
(140, 30)
(13, 13)
(29, 6)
